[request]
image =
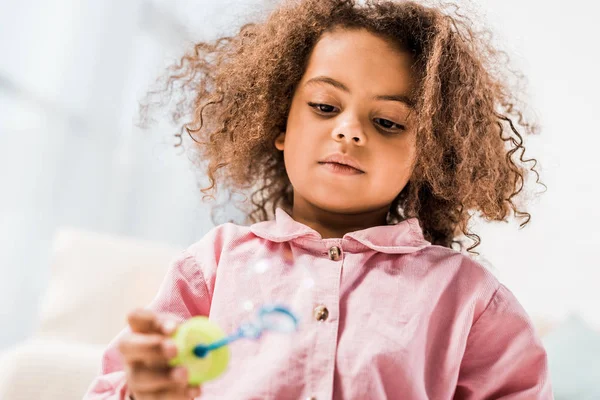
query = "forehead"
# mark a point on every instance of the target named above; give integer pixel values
(363, 61)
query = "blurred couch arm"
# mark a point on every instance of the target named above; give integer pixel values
(44, 369)
(95, 280)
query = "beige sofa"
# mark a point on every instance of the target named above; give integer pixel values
(95, 280)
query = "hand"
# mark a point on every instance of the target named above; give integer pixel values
(146, 352)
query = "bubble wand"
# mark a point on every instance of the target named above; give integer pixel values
(202, 347)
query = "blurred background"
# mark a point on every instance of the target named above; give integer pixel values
(72, 73)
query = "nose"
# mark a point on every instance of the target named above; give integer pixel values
(351, 133)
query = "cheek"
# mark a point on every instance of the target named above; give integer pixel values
(396, 166)
(295, 158)
(406, 153)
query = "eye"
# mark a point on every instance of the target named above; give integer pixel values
(389, 125)
(324, 108)
(386, 124)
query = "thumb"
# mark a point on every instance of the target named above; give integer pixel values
(168, 323)
(143, 321)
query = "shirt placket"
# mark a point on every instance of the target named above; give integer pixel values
(325, 321)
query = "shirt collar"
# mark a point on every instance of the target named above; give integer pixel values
(404, 237)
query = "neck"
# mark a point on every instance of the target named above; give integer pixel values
(331, 224)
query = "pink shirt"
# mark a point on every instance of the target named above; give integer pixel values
(406, 319)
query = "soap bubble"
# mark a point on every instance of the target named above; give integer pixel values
(248, 306)
(261, 266)
(279, 322)
(281, 281)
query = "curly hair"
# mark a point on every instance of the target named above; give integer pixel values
(237, 93)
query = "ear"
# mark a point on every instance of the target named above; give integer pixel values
(280, 141)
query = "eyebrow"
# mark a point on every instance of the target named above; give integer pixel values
(318, 80)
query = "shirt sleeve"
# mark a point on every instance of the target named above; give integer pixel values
(504, 357)
(182, 294)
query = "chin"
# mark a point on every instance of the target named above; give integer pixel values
(337, 205)
(336, 200)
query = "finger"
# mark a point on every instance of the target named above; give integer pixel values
(183, 393)
(170, 394)
(143, 321)
(150, 349)
(146, 380)
(167, 323)
(193, 392)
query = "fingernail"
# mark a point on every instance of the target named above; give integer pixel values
(179, 374)
(169, 348)
(194, 392)
(169, 327)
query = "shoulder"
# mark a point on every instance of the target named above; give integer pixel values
(466, 282)
(505, 303)
(219, 239)
(457, 265)
(465, 277)
(200, 261)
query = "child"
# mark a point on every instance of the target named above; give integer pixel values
(372, 132)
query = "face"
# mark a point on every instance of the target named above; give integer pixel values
(349, 144)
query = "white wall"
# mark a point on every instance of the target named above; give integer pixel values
(71, 72)
(551, 265)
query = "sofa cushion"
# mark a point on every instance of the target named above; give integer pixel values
(47, 370)
(96, 279)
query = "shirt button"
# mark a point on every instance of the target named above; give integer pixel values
(321, 313)
(334, 253)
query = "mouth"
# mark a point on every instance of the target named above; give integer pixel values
(341, 168)
(342, 163)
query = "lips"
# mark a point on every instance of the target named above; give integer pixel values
(342, 161)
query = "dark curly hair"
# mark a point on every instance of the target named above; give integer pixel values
(236, 92)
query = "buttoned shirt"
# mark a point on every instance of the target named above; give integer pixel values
(383, 313)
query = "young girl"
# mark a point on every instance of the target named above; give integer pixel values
(372, 131)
